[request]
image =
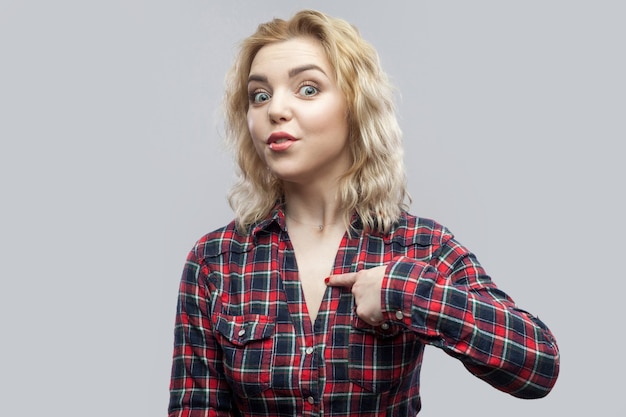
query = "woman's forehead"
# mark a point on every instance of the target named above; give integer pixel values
(291, 53)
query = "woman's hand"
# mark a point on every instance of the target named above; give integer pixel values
(366, 286)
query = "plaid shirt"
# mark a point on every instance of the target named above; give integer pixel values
(244, 343)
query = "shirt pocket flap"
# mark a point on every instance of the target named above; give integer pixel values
(240, 330)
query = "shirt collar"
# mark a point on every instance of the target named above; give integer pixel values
(276, 217)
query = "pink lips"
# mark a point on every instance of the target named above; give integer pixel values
(280, 141)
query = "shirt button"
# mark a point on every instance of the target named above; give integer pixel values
(241, 332)
(309, 350)
(384, 326)
(399, 315)
(311, 400)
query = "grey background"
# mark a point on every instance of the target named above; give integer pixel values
(111, 166)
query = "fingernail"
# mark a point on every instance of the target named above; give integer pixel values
(326, 280)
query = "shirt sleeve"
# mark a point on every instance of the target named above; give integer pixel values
(197, 385)
(452, 304)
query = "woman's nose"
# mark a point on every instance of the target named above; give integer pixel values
(279, 108)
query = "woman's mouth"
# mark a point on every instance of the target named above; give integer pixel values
(280, 141)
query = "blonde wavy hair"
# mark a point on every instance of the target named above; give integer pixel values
(375, 185)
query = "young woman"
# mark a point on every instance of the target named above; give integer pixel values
(320, 296)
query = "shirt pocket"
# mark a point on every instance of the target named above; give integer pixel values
(382, 357)
(248, 344)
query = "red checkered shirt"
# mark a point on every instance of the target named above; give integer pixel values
(244, 343)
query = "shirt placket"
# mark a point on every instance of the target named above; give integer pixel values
(311, 375)
(307, 376)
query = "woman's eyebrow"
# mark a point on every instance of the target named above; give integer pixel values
(292, 73)
(297, 70)
(255, 77)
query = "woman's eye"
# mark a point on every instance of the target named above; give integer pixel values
(259, 97)
(308, 90)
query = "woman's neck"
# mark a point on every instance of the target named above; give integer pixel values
(315, 208)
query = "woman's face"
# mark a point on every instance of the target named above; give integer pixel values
(297, 115)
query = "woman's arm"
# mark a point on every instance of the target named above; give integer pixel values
(451, 303)
(197, 387)
(454, 305)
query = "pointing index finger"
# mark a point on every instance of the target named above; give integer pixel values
(341, 280)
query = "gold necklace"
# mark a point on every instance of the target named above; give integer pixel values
(319, 227)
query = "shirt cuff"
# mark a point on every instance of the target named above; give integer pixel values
(399, 287)
(408, 298)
